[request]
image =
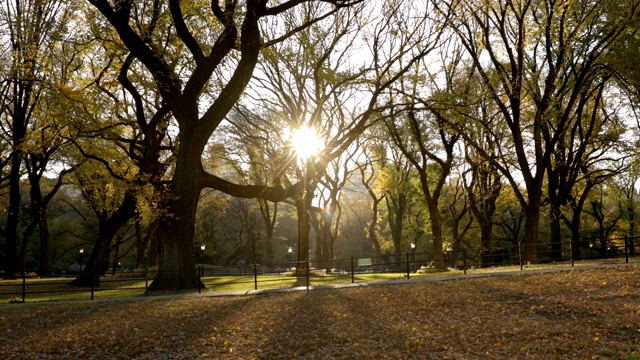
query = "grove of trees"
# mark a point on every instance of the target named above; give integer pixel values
(138, 131)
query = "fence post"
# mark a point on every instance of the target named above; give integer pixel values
(93, 282)
(199, 279)
(464, 260)
(307, 263)
(353, 280)
(571, 250)
(626, 249)
(520, 254)
(408, 269)
(24, 285)
(146, 281)
(255, 275)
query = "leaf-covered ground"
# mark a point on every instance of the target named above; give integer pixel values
(582, 314)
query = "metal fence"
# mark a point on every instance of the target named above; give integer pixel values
(341, 270)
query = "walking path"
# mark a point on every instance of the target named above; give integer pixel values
(341, 286)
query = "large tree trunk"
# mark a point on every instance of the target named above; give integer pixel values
(395, 214)
(39, 216)
(322, 227)
(268, 245)
(556, 233)
(317, 226)
(43, 227)
(270, 219)
(483, 193)
(577, 208)
(177, 267)
(141, 245)
(436, 230)
(319, 255)
(530, 250)
(575, 234)
(106, 232)
(38, 219)
(372, 232)
(147, 244)
(486, 239)
(327, 253)
(555, 200)
(26, 235)
(11, 264)
(303, 205)
(304, 229)
(154, 245)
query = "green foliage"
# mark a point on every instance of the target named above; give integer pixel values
(320, 76)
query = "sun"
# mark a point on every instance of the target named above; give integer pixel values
(306, 142)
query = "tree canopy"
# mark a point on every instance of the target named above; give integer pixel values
(165, 124)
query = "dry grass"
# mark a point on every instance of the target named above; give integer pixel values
(581, 314)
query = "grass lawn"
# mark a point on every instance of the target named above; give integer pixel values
(581, 314)
(56, 289)
(133, 285)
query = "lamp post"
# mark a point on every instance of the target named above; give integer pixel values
(290, 251)
(81, 255)
(591, 250)
(201, 257)
(413, 257)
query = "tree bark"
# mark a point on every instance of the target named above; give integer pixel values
(270, 219)
(395, 213)
(373, 231)
(327, 253)
(530, 250)
(436, 230)
(11, 264)
(556, 234)
(304, 230)
(148, 245)
(26, 235)
(555, 201)
(177, 267)
(154, 245)
(575, 233)
(106, 232)
(39, 216)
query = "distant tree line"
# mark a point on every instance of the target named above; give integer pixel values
(139, 131)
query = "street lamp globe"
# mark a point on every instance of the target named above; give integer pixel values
(202, 247)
